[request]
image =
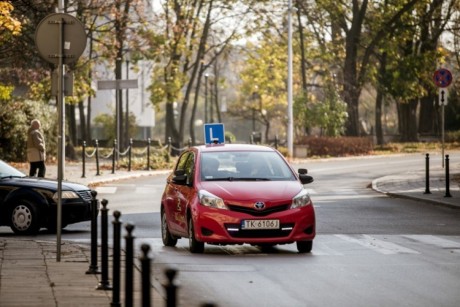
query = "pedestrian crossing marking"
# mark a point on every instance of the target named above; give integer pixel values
(434, 240)
(339, 245)
(106, 190)
(144, 189)
(380, 246)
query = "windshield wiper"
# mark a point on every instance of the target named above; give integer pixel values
(11, 176)
(238, 179)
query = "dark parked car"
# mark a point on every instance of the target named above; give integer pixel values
(28, 203)
(237, 194)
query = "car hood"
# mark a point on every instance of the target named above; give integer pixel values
(269, 191)
(44, 183)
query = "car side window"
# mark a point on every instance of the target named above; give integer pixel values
(189, 167)
(181, 164)
(186, 164)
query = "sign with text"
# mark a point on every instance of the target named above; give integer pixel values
(214, 133)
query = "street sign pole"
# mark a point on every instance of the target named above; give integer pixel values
(442, 78)
(60, 39)
(117, 85)
(61, 148)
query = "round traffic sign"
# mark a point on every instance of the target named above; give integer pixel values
(47, 38)
(442, 77)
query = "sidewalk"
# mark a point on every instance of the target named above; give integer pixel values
(413, 186)
(31, 276)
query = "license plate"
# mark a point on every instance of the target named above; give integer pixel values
(260, 224)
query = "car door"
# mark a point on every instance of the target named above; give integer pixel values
(180, 193)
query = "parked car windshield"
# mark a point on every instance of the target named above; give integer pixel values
(9, 171)
(244, 165)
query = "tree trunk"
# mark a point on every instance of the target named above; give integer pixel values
(408, 121)
(83, 130)
(379, 100)
(427, 117)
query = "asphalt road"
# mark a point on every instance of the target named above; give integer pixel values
(370, 250)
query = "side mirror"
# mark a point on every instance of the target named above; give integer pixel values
(304, 178)
(179, 177)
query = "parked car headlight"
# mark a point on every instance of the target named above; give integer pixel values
(65, 195)
(301, 200)
(211, 200)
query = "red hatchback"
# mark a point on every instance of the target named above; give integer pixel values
(237, 194)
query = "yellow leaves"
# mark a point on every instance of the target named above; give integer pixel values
(5, 92)
(7, 22)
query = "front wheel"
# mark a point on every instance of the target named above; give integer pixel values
(168, 239)
(304, 246)
(196, 247)
(24, 218)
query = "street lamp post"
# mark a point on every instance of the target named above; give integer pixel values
(290, 129)
(206, 98)
(127, 59)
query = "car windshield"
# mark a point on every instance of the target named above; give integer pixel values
(9, 171)
(244, 165)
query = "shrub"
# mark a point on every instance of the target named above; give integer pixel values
(337, 147)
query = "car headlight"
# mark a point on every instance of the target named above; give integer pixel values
(301, 200)
(210, 200)
(65, 195)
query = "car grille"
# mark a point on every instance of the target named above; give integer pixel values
(86, 195)
(235, 231)
(254, 212)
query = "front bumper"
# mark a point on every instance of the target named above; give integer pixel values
(217, 226)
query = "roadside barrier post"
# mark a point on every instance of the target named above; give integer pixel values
(170, 288)
(447, 178)
(129, 153)
(129, 246)
(114, 152)
(427, 174)
(97, 158)
(93, 268)
(148, 154)
(116, 259)
(104, 284)
(169, 146)
(83, 158)
(145, 275)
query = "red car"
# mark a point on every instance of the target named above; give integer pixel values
(237, 194)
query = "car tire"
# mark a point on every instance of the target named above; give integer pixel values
(24, 218)
(196, 247)
(304, 246)
(168, 239)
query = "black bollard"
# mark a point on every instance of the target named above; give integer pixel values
(93, 268)
(116, 258)
(169, 146)
(145, 275)
(148, 154)
(447, 178)
(83, 159)
(104, 284)
(170, 288)
(427, 174)
(129, 246)
(129, 154)
(114, 152)
(98, 173)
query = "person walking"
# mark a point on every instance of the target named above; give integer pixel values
(36, 149)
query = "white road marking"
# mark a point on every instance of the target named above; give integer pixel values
(380, 246)
(106, 190)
